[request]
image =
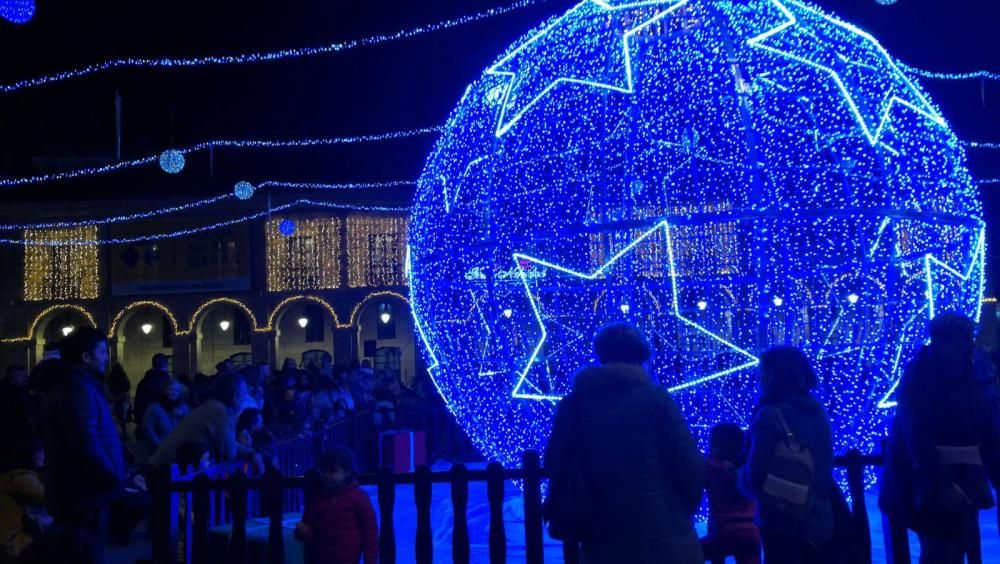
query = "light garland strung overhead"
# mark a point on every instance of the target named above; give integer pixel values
(261, 57)
(348, 186)
(219, 143)
(973, 75)
(200, 229)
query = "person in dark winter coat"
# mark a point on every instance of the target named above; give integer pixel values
(338, 526)
(150, 387)
(642, 469)
(944, 444)
(119, 387)
(786, 379)
(85, 461)
(163, 416)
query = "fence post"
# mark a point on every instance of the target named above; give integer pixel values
(422, 495)
(387, 530)
(460, 505)
(494, 491)
(165, 507)
(274, 508)
(859, 509)
(199, 532)
(238, 542)
(897, 541)
(533, 527)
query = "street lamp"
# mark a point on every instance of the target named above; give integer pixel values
(625, 308)
(303, 321)
(778, 302)
(67, 330)
(702, 305)
(147, 328)
(853, 298)
(224, 325)
(385, 317)
(508, 312)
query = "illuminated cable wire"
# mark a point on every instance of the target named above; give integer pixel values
(259, 57)
(974, 75)
(235, 144)
(988, 181)
(202, 228)
(980, 145)
(204, 202)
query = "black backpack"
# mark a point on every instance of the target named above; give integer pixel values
(791, 472)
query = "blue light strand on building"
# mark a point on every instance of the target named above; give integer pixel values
(220, 143)
(17, 11)
(809, 186)
(261, 57)
(348, 186)
(208, 227)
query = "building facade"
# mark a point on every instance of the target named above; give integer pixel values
(291, 285)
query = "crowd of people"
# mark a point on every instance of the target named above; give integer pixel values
(626, 475)
(101, 441)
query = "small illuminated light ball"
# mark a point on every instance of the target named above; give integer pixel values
(17, 11)
(778, 302)
(303, 322)
(147, 328)
(224, 325)
(67, 330)
(244, 190)
(286, 227)
(508, 313)
(853, 298)
(702, 305)
(625, 308)
(172, 161)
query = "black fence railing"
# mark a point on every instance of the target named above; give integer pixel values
(202, 491)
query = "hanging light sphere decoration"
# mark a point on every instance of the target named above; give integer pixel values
(244, 190)
(17, 11)
(731, 171)
(286, 227)
(172, 161)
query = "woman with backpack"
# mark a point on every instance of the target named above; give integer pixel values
(944, 444)
(626, 474)
(789, 469)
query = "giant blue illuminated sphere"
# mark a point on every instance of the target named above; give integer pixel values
(726, 175)
(17, 11)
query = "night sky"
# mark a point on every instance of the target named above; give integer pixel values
(405, 84)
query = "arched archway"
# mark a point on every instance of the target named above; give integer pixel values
(301, 324)
(221, 329)
(57, 322)
(141, 330)
(384, 329)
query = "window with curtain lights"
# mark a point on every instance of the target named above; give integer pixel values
(376, 250)
(61, 272)
(307, 260)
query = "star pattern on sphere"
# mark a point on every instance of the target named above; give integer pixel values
(600, 59)
(870, 101)
(525, 389)
(946, 286)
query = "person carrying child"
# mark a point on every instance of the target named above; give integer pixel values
(338, 526)
(731, 527)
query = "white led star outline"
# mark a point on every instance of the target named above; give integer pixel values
(873, 136)
(504, 125)
(977, 260)
(665, 226)
(930, 262)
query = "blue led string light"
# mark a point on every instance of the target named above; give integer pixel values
(349, 186)
(974, 75)
(726, 175)
(204, 228)
(249, 58)
(220, 143)
(980, 145)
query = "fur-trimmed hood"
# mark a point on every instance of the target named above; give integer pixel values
(610, 376)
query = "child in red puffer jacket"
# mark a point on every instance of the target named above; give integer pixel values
(731, 528)
(338, 526)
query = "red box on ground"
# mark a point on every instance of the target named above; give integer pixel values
(402, 451)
